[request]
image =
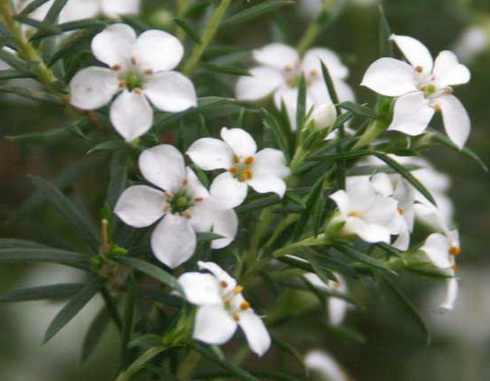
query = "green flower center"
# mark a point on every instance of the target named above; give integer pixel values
(181, 202)
(134, 81)
(430, 90)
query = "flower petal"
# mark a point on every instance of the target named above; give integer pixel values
(113, 46)
(194, 185)
(270, 162)
(383, 211)
(311, 64)
(240, 141)
(456, 120)
(367, 232)
(361, 193)
(140, 206)
(437, 247)
(261, 82)
(209, 154)
(280, 56)
(201, 289)
(414, 51)
(383, 185)
(163, 166)
(325, 365)
(266, 184)
(342, 200)
(131, 115)
(114, 8)
(157, 50)
(228, 191)
(451, 296)
(93, 87)
(170, 91)
(225, 224)
(390, 77)
(412, 114)
(255, 331)
(448, 71)
(173, 241)
(213, 325)
(219, 273)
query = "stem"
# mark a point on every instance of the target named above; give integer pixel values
(139, 363)
(24, 48)
(180, 11)
(188, 365)
(311, 34)
(311, 241)
(264, 220)
(208, 36)
(372, 132)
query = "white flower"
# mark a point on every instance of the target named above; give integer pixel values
(141, 70)
(184, 203)
(280, 72)
(222, 308)
(472, 42)
(336, 307)
(441, 249)
(366, 213)
(264, 171)
(323, 116)
(422, 87)
(398, 188)
(323, 364)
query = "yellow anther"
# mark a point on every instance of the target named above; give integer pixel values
(185, 182)
(288, 69)
(423, 87)
(237, 289)
(246, 175)
(117, 67)
(315, 74)
(223, 284)
(448, 90)
(187, 214)
(401, 210)
(419, 69)
(236, 158)
(122, 84)
(245, 306)
(454, 250)
(149, 71)
(197, 199)
(355, 214)
(437, 107)
(138, 91)
(335, 285)
(233, 170)
(249, 160)
(236, 317)
(455, 267)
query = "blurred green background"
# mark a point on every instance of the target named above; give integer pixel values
(393, 348)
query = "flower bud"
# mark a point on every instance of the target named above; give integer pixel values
(323, 116)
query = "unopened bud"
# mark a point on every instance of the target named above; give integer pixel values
(324, 115)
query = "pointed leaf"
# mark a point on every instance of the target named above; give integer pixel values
(255, 11)
(62, 257)
(53, 291)
(94, 333)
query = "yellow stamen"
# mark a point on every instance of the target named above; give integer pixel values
(419, 69)
(245, 306)
(448, 90)
(246, 175)
(454, 250)
(401, 210)
(236, 158)
(149, 71)
(423, 87)
(223, 284)
(117, 67)
(355, 214)
(437, 107)
(188, 213)
(185, 182)
(138, 91)
(237, 289)
(455, 267)
(122, 84)
(197, 199)
(233, 170)
(249, 160)
(335, 285)
(236, 317)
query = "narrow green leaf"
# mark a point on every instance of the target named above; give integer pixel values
(330, 86)
(54, 12)
(368, 170)
(207, 236)
(258, 204)
(283, 135)
(109, 145)
(363, 258)
(118, 177)
(73, 307)
(69, 211)
(35, 95)
(358, 109)
(187, 28)
(32, 6)
(225, 365)
(151, 270)
(406, 174)
(226, 69)
(385, 47)
(62, 257)
(13, 74)
(288, 348)
(13, 243)
(313, 206)
(53, 291)
(71, 44)
(409, 308)
(94, 333)
(255, 12)
(323, 273)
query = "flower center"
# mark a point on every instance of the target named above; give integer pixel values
(242, 168)
(180, 203)
(133, 81)
(233, 307)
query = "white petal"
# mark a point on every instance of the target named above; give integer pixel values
(337, 309)
(261, 82)
(219, 273)
(414, 51)
(157, 50)
(342, 200)
(280, 56)
(367, 232)
(451, 296)
(382, 184)
(170, 91)
(114, 45)
(437, 247)
(390, 77)
(361, 193)
(384, 212)
(194, 185)
(213, 325)
(228, 191)
(240, 141)
(402, 242)
(411, 114)
(255, 331)
(75, 10)
(114, 8)
(266, 184)
(201, 289)
(456, 120)
(140, 206)
(173, 241)
(312, 63)
(448, 71)
(270, 162)
(324, 115)
(131, 115)
(203, 214)
(93, 87)
(225, 224)
(163, 166)
(209, 154)
(325, 365)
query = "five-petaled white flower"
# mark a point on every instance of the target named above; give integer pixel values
(264, 171)
(441, 249)
(423, 87)
(184, 203)
(222, 308)
(141, 69)
(280, 73)
(366, 213)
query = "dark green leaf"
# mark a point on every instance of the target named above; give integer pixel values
(258, 204)
(301, 110)
(151, 270)
(118, 177)
(35, 95)
(288, 348)
(63, 257)
(73, 307)
(187, 28)
(13, 243)
(255, 11)
(363, 258)
(358, 109)
(71, 44)
(314, 206)
(207, 236)
(69, 211)
(385, 47)
(32, 6)
(94, 333)
(54, 291)
(368, 170)
(13, 74)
